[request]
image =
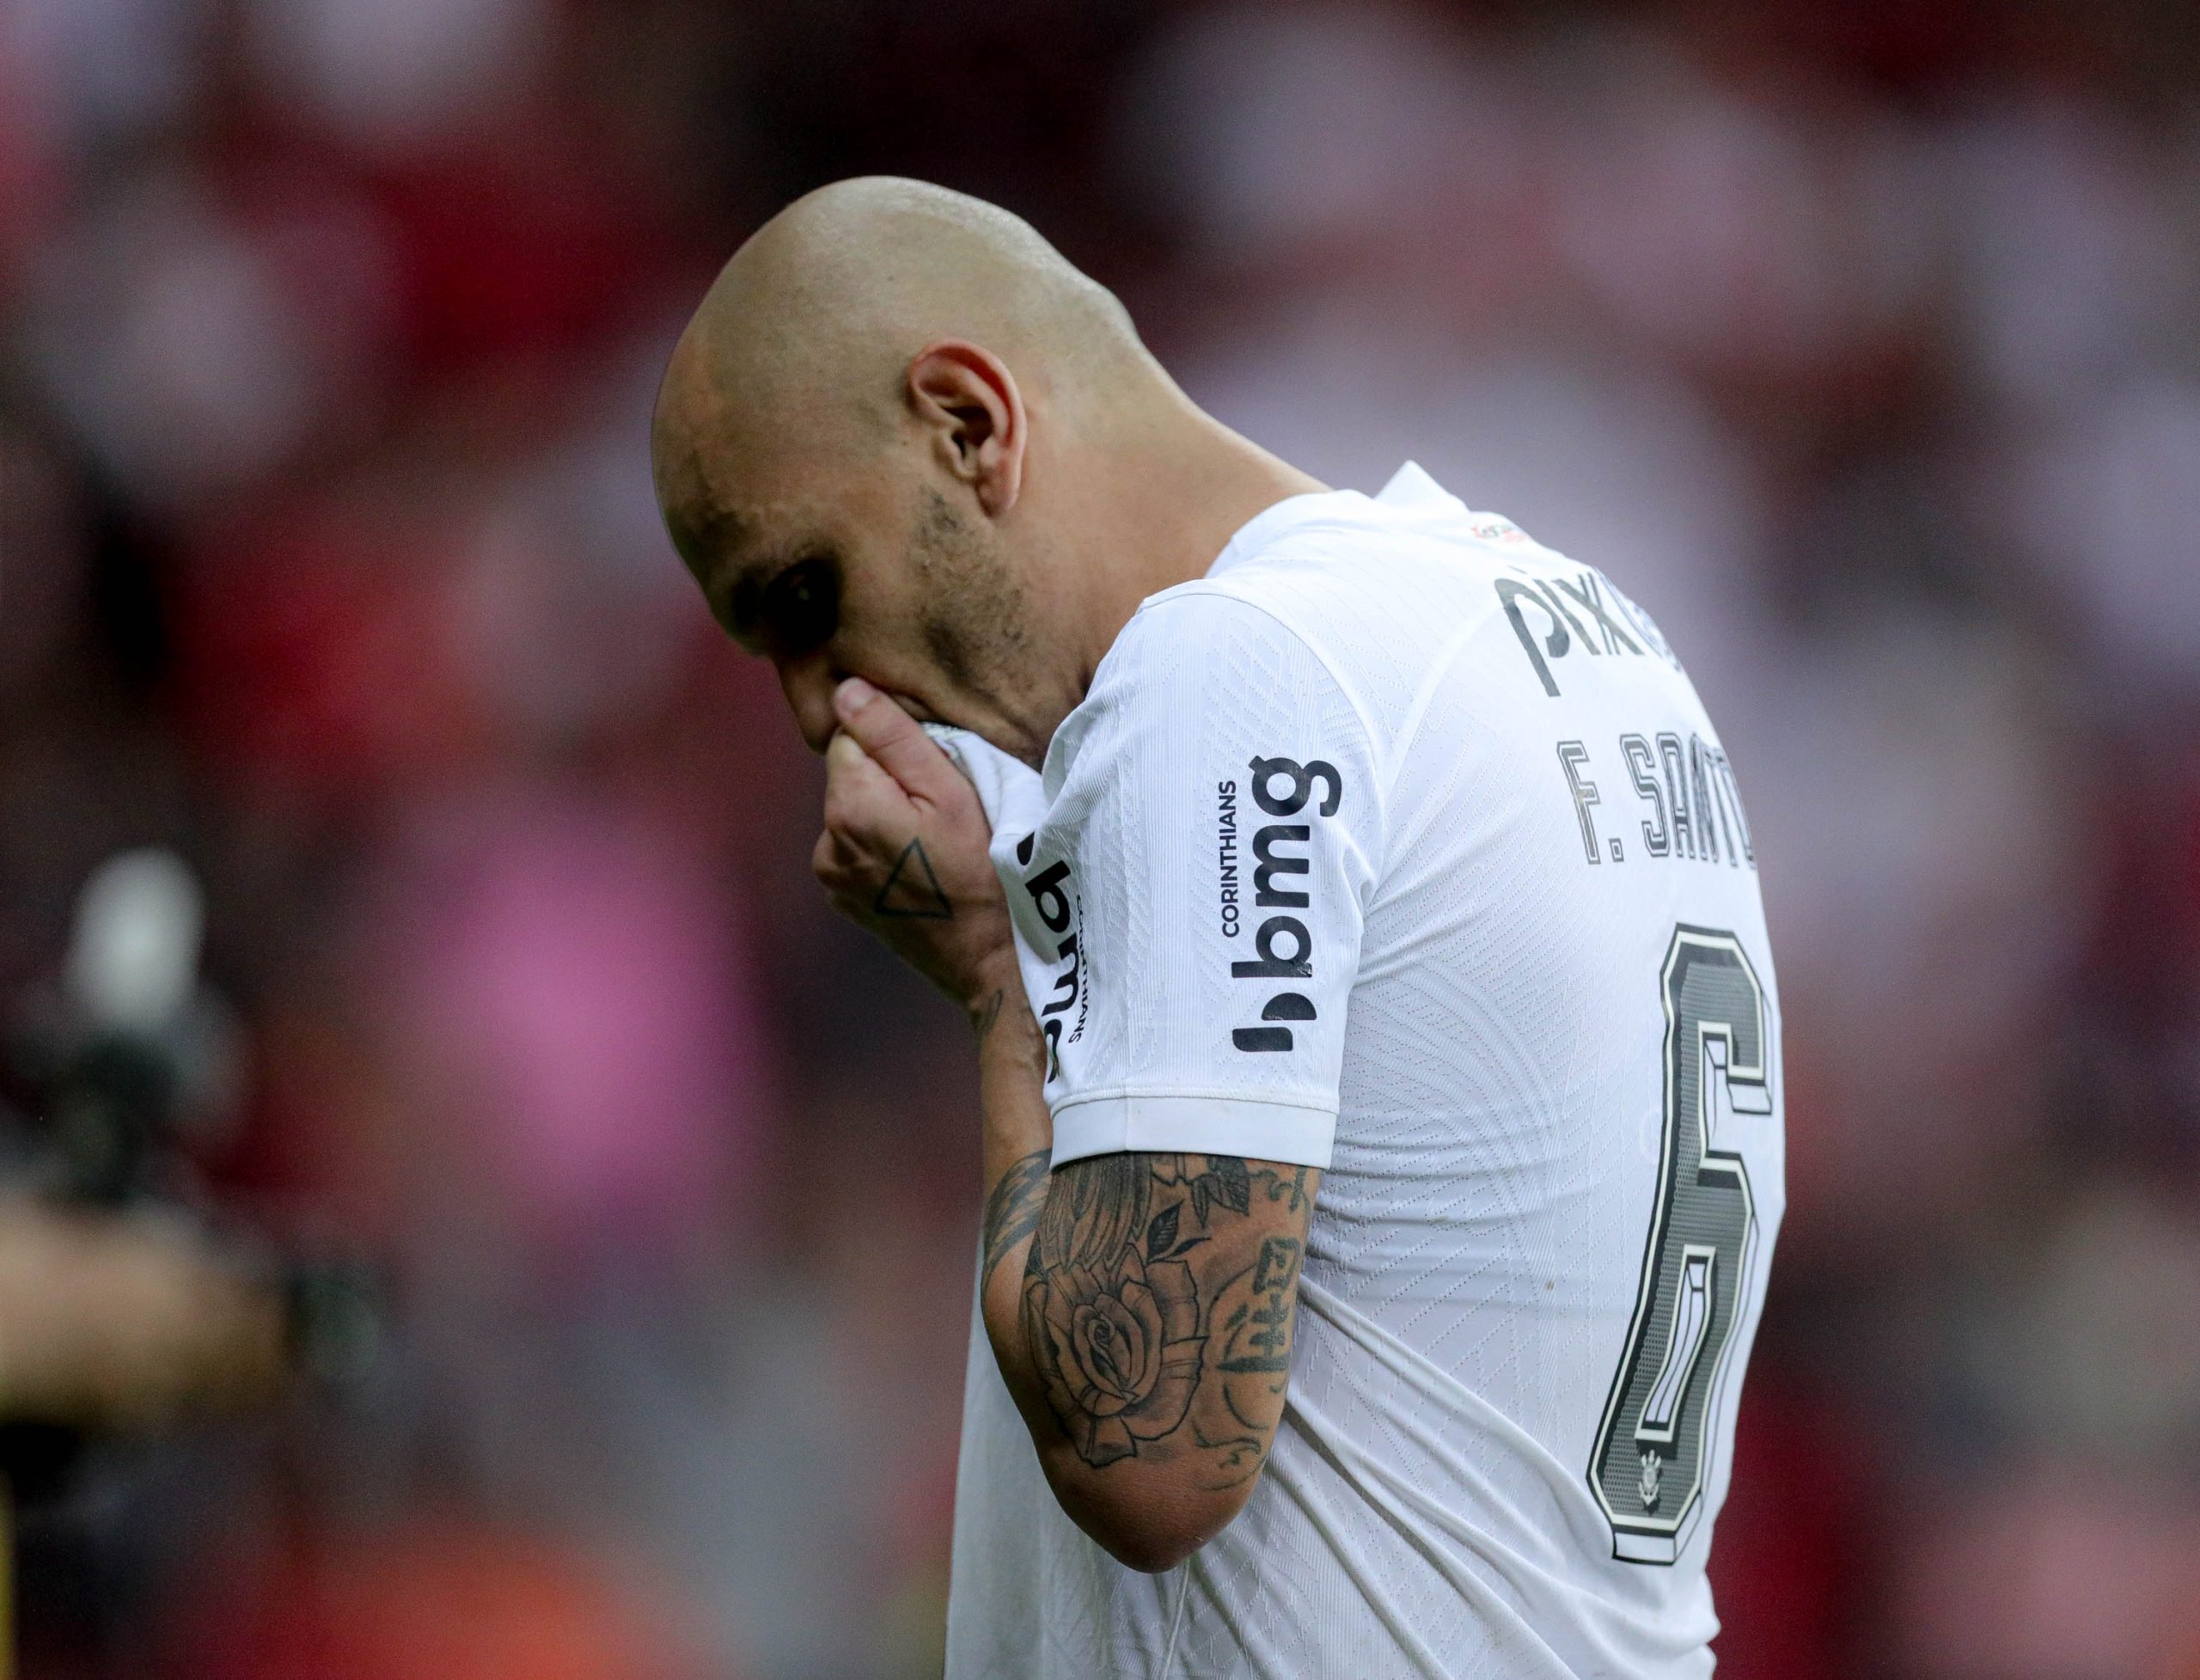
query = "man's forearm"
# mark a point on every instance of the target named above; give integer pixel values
(1019, 1142)
(1103, 1286)
(1019, 1151)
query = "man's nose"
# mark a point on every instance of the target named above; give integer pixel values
(809, 684)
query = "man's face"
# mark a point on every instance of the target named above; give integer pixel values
(838, 567)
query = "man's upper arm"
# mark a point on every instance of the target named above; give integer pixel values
(1157, 1308)
(1193, 905)
(1194, 902)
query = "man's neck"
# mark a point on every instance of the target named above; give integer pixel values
(1172, 504)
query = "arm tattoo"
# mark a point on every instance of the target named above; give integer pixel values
(1155, 1323)
(1012, 1209)
(991, 1014)
(911, 891)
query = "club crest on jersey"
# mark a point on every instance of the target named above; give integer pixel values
(1646, 1484)
(1584, 611)
(1283, 948)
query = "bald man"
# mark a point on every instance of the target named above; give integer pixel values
(1359, 923)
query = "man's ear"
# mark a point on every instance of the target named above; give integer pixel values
(968, 401)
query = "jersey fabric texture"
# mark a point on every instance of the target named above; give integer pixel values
(1400, 846)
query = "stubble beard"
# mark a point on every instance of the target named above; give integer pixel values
(975, 615)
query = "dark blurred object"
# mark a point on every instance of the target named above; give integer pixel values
(131, 1051)
(120, 1304)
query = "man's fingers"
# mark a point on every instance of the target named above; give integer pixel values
(836, 869)
(860, 795)
(895, 741)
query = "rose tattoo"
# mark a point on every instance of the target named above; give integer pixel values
(1114, 1333)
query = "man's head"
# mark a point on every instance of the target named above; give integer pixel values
(875, 449)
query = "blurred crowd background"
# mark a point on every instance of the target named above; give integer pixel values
(1859, 341)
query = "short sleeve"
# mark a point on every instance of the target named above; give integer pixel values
(1190, 907)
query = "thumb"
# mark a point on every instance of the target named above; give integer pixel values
(897, 743)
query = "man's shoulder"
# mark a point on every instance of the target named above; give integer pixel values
(1377, 600)
(1217, 656)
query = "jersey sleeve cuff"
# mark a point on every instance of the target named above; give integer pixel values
(1110, 1123)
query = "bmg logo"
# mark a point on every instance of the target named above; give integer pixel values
(1281, 850)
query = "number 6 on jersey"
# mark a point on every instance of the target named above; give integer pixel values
(1651, 1461)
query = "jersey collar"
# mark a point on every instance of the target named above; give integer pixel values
(1409, 487)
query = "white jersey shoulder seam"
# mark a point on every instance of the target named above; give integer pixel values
(1222, 592)
(1216, 589)
(1390, 757)
(1440, 667)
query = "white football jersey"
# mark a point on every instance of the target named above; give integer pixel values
(1400, 846)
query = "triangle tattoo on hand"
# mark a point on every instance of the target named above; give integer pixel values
(913, 890)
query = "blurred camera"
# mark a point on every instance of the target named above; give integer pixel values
(122, 1068)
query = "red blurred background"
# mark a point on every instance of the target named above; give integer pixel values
(1860, 342)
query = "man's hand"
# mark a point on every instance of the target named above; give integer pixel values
(126, 1320)
(904, 851)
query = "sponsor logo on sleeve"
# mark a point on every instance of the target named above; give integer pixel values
(1282, 853)
(1226, 847)
(1053, 895)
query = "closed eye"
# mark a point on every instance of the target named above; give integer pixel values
(799, 610)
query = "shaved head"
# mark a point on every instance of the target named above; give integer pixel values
(822, 311)
(894, 442)
(868, 270)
